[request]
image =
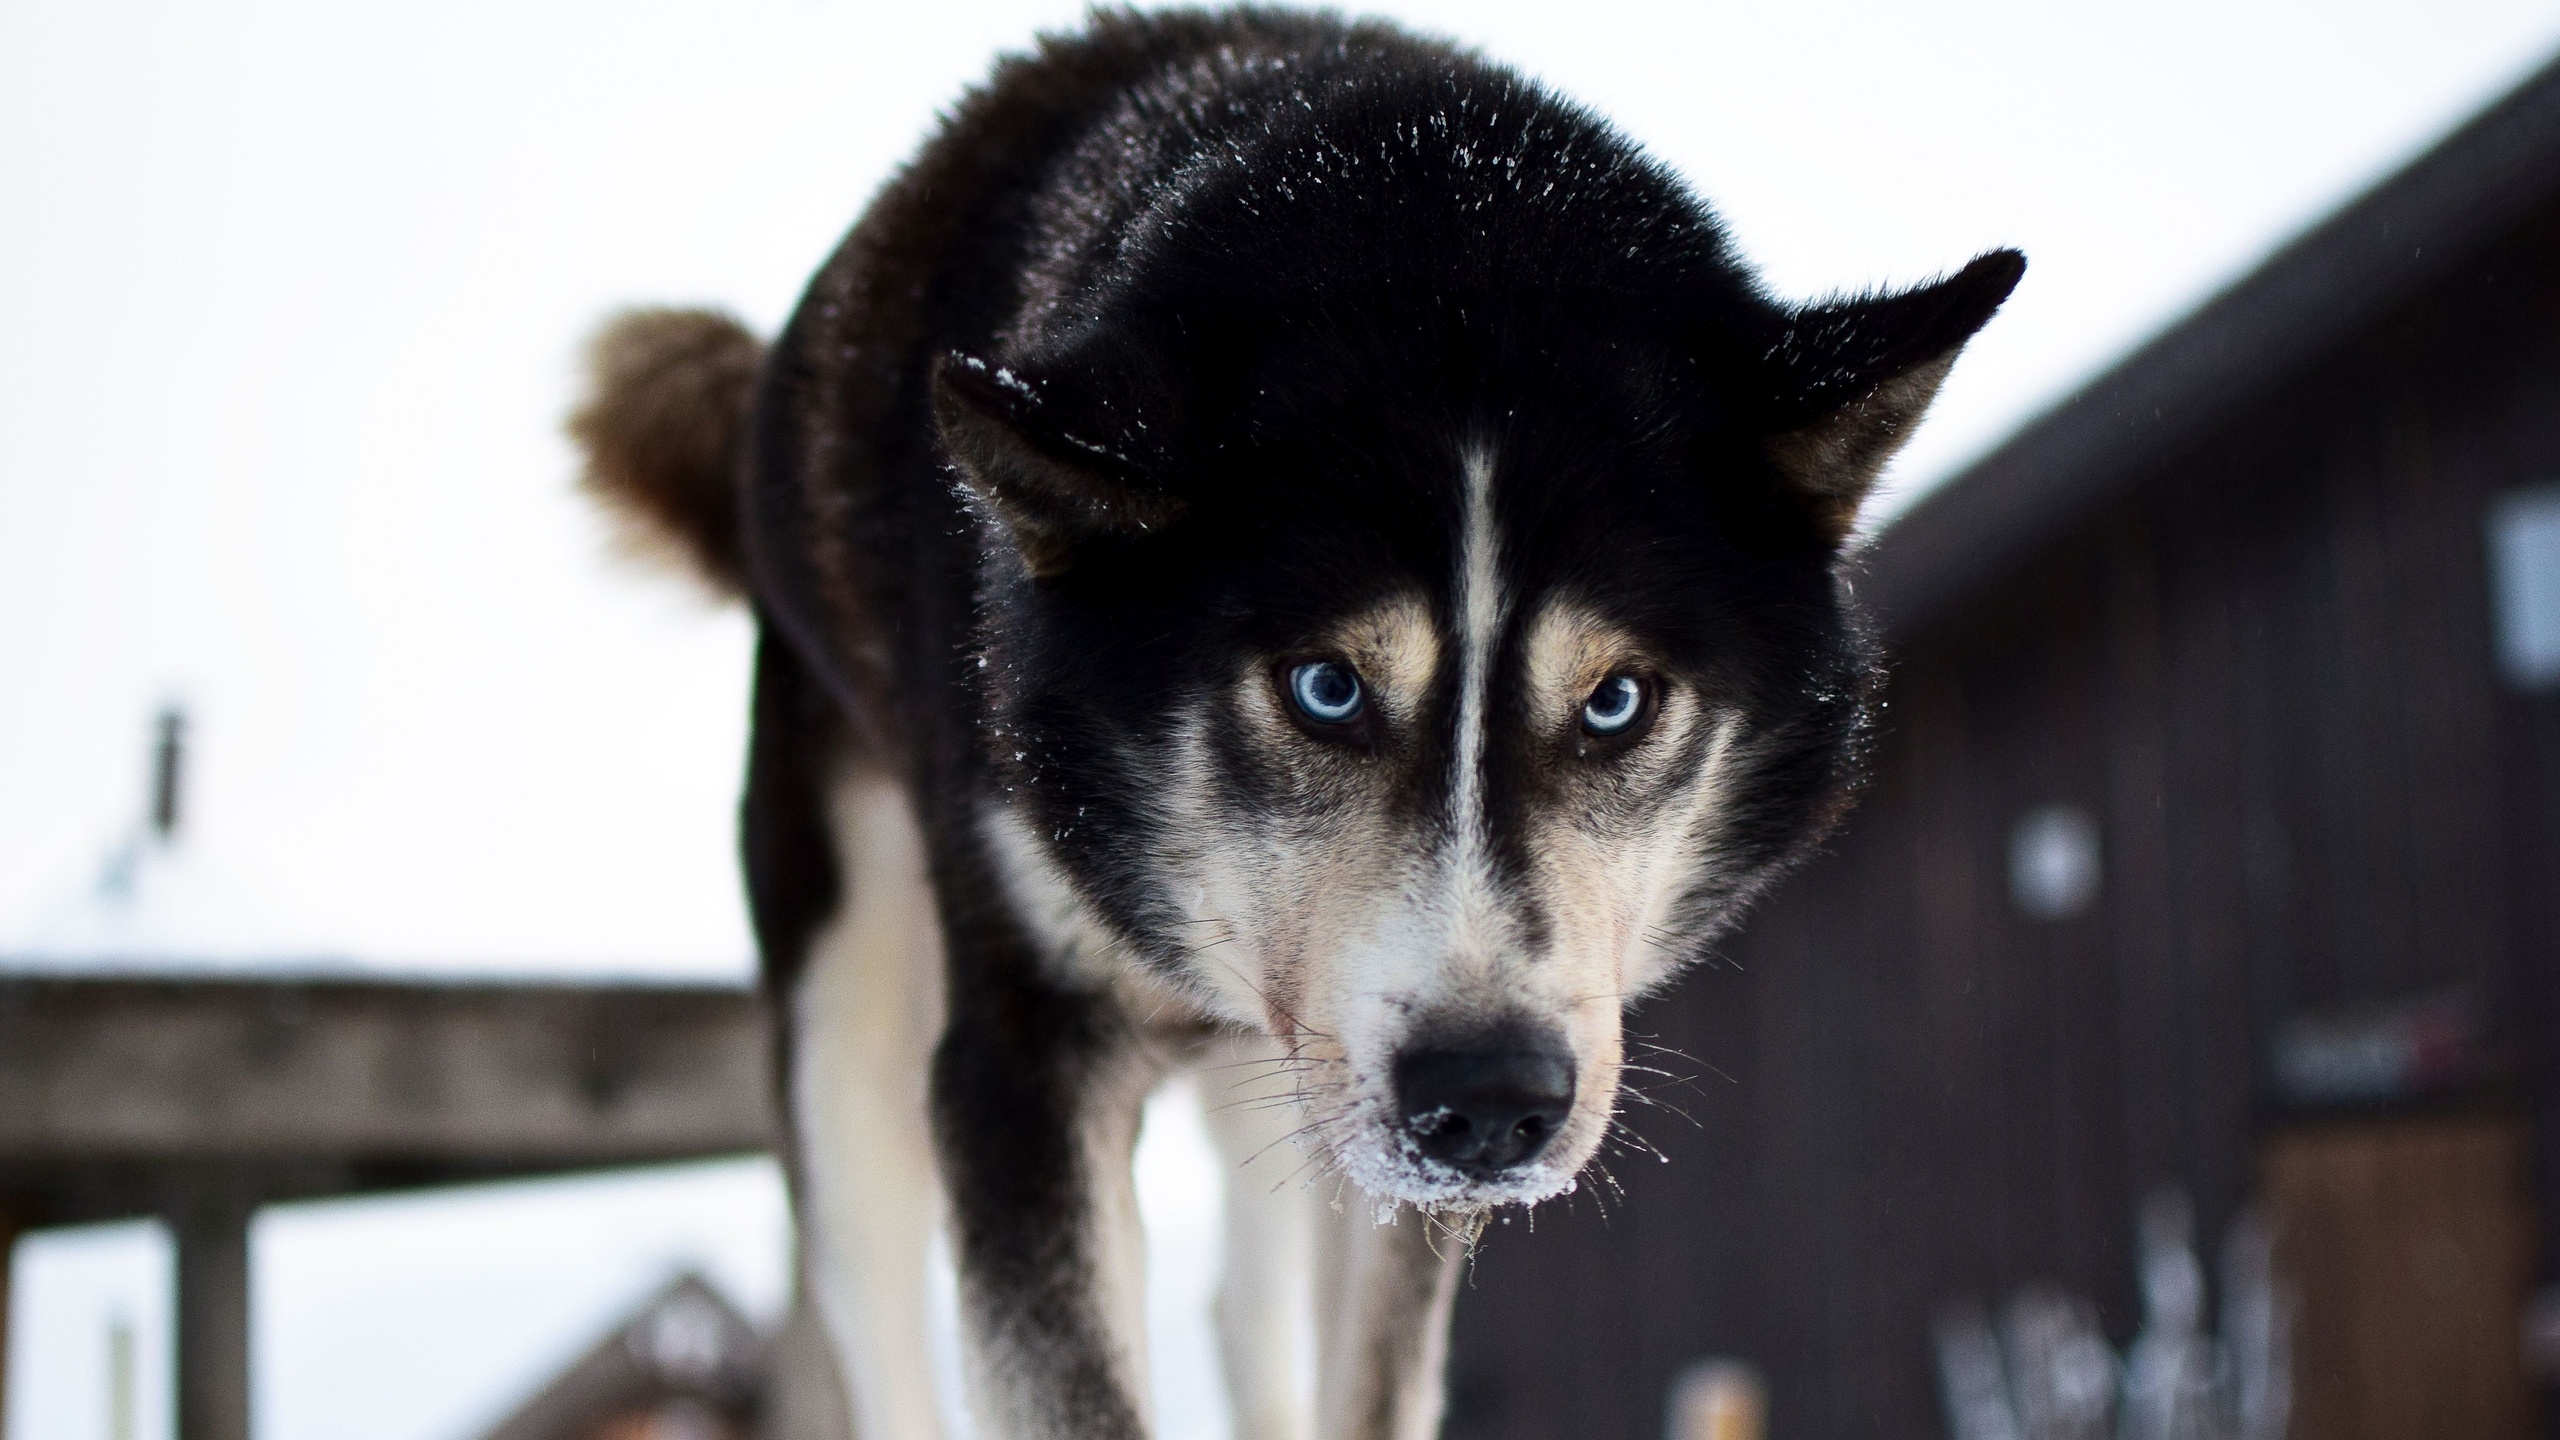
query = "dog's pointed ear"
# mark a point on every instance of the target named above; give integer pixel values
(1853, 377)
(1055, 480)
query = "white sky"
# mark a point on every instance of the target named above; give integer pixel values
(290, 294)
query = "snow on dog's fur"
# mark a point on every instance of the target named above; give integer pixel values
(1275, 541)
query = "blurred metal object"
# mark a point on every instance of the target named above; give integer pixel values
(1975, 1381)
(2373, 1053)
(159, 903)
(2049, 1373)
(168, 772)
(2171, 1373)
(2524, 581)
(2257, 1333)
(1718, 1399)
(2062, 1372)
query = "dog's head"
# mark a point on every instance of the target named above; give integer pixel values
(1415, 629)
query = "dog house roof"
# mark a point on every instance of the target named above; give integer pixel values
(2410, 230)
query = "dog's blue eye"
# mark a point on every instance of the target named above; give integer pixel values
(1327, 692)
(1614, 706)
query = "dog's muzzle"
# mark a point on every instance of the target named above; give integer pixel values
(1489, 1106)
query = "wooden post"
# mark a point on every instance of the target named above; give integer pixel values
(9, 1231)
(212, 1231)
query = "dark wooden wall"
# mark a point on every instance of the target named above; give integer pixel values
(2268, 674)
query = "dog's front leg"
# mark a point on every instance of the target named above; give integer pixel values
(1037, 1094)
(1382, 1321)
(1247, 1090)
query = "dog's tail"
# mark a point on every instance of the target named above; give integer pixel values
(662, 426)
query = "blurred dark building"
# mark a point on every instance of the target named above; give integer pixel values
(2214, 841)
(685, 1366)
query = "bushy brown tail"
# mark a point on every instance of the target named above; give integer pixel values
(662, 424)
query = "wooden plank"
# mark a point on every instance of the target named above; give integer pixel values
(149, 1071)
(2410, 1243)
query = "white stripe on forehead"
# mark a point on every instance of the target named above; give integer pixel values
(1480, 609)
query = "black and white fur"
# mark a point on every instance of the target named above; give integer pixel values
(1196, 349)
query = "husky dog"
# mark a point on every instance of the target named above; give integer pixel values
(1276, 543)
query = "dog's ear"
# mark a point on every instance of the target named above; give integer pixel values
(1850, 379)
(1055, 481)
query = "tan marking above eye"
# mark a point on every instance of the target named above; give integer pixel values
(1570, 650)
(1394, 649)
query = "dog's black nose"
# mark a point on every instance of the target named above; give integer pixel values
(1484, 1110)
